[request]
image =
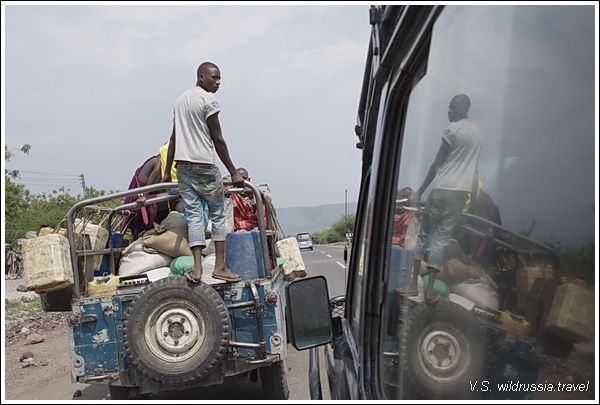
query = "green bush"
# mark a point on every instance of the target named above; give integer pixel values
(337, 232)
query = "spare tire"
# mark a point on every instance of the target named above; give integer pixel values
(442, 349)
(175, 331)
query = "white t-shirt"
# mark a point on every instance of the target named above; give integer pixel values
(458, 171)
(193, 142)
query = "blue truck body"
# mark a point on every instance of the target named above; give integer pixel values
(190, 336)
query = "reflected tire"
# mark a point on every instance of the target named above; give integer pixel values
(175, 331)
(443, 348)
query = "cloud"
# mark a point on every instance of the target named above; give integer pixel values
(98, 84)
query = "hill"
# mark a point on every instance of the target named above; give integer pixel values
(311, 219)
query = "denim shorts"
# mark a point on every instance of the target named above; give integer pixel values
(442, 213)
(199, 183)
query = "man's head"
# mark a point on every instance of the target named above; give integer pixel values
(244, 173)
(208, 77)
(459, 107)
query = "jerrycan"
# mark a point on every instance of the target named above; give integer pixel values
(47, 263)
(243, 254)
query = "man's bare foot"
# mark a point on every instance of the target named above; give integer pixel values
(431, 297)
(194, 276)
(225, 274)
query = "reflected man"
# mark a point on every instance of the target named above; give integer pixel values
(455, 173)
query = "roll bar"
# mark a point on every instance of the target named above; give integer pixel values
(89, 204)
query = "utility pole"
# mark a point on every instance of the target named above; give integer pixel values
(346, 205)
(346, 238)
(82, 177)
(346, 215)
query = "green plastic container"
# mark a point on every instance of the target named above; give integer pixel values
(439, 286)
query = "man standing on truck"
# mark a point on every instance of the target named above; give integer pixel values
(196, 134)
(455, 172)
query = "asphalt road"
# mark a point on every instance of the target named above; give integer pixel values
(328, 261)
(323, 260)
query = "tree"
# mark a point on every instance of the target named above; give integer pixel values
(8, 153)
(343, 225)
(337, 232)
(25, 212)
(15, 195)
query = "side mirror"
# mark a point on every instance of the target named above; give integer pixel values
(308, 313)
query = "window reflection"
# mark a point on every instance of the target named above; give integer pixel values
(491, 240)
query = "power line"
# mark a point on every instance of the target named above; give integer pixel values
(57, 183)
(47, 178)
(29, 180)
(52, 174)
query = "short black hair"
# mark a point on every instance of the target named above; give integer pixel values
(463, 101)
(203, 67)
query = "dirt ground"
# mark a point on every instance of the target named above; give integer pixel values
(50, 375)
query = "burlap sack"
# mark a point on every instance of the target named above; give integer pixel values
(456, 271)
(458, 268)
(171, 242)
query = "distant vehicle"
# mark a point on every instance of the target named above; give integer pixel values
(304, 241)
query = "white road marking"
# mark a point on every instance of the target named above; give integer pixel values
(341, 265)
(328, 255)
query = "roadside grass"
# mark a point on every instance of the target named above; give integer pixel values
(22, 308)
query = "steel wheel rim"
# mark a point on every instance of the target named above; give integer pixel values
(443, 353)
(175, 331)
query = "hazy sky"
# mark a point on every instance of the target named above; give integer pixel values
(92, 89)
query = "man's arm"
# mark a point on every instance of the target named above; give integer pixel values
(155, 173)
(214, 126)
(170, 155)
(440, 158)
(150, 173)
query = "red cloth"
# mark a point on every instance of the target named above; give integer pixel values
(244, 214)
(399, 228)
